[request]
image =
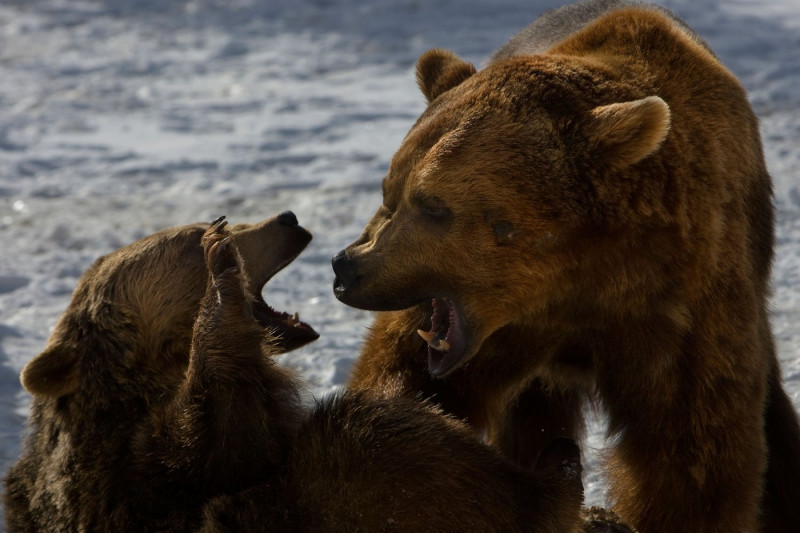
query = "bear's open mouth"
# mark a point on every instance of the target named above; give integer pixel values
(446, 338)
(290, 332)
(264, 250)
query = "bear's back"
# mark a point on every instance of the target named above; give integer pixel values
(556, 25)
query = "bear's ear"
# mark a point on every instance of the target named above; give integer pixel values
(439, 71)
(625, 133)
(54, 372)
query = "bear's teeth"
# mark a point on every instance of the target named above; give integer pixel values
(426, 336)
(433, 340)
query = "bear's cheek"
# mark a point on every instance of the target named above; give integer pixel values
(514, 283)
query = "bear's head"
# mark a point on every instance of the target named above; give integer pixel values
(497, 194)
(129, 324)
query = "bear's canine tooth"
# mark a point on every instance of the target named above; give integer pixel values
(292, 320)
(433, 341)
(426, 336)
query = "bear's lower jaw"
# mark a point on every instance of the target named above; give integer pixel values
(447, 338)
(440, 364)
(289, 332)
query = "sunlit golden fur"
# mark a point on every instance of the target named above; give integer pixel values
(601, 213)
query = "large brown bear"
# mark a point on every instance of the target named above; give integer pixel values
(157, 406)
(590, 214)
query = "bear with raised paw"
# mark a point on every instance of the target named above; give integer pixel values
(158, 406)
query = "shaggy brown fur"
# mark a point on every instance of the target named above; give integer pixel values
(142, 421)
(590, 213)
(123, 438)
(361, 465)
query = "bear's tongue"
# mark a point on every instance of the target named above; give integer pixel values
(446, 344)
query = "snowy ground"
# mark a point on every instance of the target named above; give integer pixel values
(120, 117)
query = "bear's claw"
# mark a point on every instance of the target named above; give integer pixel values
(221, 256)
(223, 264)
(219, 220)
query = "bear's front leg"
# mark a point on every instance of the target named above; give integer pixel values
(234, 415)
(689, 461)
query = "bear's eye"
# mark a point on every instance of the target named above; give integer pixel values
(385, 211)
(432, 206)
(504, 232)
(390, 197)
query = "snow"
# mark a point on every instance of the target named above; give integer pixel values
(121, 117)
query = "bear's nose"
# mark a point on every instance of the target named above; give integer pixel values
(345, 272)
(287, 218)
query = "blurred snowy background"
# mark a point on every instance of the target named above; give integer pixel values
(121, 117)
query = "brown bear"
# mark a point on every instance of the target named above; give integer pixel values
(118, 429)
(590, 216)
(158, 406)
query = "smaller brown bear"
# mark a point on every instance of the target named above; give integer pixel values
(148, 415)
(122, 436)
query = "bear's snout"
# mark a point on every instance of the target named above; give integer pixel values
(345, 271)
(288, 218)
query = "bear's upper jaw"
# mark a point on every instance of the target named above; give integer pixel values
(447, 344)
